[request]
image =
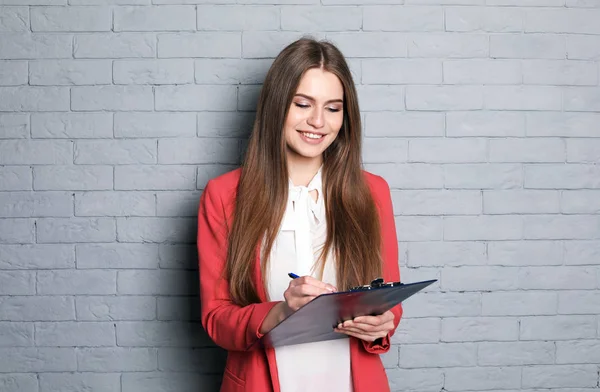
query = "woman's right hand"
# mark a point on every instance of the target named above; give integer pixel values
(304, 289)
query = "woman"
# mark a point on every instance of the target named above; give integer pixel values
(300, 203)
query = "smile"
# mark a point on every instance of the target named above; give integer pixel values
(311, 135)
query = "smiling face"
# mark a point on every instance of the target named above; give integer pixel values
(315, 116)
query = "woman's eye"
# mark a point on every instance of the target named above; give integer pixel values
(333, 110)
(300, 105)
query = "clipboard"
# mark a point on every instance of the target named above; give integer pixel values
(316, 320)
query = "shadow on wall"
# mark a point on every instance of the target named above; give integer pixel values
(199, 361)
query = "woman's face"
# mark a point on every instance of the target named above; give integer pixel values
(315, 115)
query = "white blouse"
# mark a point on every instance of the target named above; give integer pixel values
(319, 366)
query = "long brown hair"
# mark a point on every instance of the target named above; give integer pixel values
(353, 232)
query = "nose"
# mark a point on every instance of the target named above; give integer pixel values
(316, 118)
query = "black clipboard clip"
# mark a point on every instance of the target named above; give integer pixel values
(375, 284)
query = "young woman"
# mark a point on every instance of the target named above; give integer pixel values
(300, 203)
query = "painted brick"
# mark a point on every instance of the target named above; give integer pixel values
(118, 359)
(109, 308)
(522, 97)
(16, 231)
(116, 256)
(483, 227)
(70, 72)
(560, 72)
(176, 308)
(43, 99)
(76, 282)
(170, 381)
(518, 253)
(482, 378)
(160, 334)
(572, 176)
(417, 330)
(560, 376)
(440, 253)
(144, 71)
(409, 18)
(18, 46)
(436, 202)
(12, 73)
(39, 204)
(199, 45)
(72, 334)
(524, 303)
(156, 282)
(68, 230)
(463, 150)
(473, 329)
(403, 124)
(583, 47)
(157, 18)
(29, 359)
(115, 204)
(557, 327)
(17, 282)
(446, 98)
(582, 252)
(201, 150)
(371, 44)
(482, 71)
(116, 98)
(488, 19)
(529, 46)
(195, 98)
(151, 177)
(438, 355)
(194, 360)
(109, 152)
(178, 256)
(76, 178)
(443, 305)
(73, 382)
(417, 379)
(71, 125)
(520, 202)
(14, 19)
(578, 302)
(485, 123)
(177, 203)
(133, 125)
(239, 17)
(71, 19)
(449, 45)
(527, 150)
(108, 45)
(14, 126)
(561, 227)
(18, 382)
(515, 353)
(37, 257)
(37, 308)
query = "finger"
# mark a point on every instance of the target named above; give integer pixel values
(368, 328)
(314, 282)
(366, 338)
(307, 289)
(376, 320)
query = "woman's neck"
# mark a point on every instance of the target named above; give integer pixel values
(302, 169)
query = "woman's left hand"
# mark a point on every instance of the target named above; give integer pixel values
(368, 328)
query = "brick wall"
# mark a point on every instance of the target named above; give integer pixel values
(483, 116)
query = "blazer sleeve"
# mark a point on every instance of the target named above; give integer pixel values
(230, 326)
(391, 271)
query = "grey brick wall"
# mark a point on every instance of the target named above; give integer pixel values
(483, 115)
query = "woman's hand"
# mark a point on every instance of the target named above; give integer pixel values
(303, 290)
(368, 328)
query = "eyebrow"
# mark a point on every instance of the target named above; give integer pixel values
(312, 99)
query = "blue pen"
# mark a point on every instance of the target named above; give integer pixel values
(293, 275)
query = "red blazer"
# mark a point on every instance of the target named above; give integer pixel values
(235, 328)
